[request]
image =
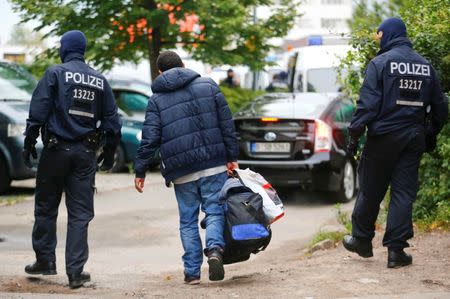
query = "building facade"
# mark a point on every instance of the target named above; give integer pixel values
(322, 17)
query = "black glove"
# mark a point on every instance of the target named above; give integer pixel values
(352, 146)
(430, 142)
(29, 149)
(106, 158)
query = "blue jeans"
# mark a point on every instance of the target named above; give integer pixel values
(190, 196)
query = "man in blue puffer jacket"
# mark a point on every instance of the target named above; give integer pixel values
(190, 123)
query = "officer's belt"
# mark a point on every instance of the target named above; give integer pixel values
(91, 140)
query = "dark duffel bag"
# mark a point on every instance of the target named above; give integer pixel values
(246, 228)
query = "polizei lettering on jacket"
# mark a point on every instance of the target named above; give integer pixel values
(409, 68)
(84, 79)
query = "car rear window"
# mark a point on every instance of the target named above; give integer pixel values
(302, 106)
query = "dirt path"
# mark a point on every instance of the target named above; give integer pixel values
(135, 237)
(327, 274)
(286, 273)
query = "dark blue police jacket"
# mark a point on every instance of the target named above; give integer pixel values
(71, 101)
(398, 87)
(190, 122)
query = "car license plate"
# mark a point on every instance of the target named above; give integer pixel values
(270, 147)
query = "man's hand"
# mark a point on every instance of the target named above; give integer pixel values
(29, 150)
(139, 184)
(231, 166)
(352, 147)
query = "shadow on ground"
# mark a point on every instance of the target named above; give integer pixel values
(15, 194)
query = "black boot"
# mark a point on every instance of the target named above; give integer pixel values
(77, 280)
(361, 246)
(216, 271)
(39, 267)
(398, 258)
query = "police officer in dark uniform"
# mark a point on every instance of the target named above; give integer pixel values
(74, 109)
(400, 91)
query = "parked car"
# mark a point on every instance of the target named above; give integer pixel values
(299, 140)
(16, 87)
(129, 143)
(132, 99)
(131, 95)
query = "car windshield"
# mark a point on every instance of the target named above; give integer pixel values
(15, 82)
(322, 80)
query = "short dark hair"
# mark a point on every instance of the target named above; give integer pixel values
(168, 60)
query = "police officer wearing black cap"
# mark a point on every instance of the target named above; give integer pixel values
(74, 109)
(400, 92)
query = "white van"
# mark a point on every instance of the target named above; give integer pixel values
(314, 68)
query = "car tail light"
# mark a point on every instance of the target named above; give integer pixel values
(322, 142)
(269, 119)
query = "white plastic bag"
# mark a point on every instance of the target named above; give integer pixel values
(272, 205)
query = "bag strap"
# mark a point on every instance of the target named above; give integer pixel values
(269, 238)
(252, 211)
(236, 176)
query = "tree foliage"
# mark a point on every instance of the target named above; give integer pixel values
(217, 32)
(428, 28)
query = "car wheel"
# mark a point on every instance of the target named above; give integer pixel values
(119, 160)
(348, 183)
(5, 180)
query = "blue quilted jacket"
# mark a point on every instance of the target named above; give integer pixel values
(190, 122)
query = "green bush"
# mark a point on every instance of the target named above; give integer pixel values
(427, 26)
(432, 208)
(239, 97)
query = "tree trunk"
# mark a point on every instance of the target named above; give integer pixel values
(154, 44)
(153, 51)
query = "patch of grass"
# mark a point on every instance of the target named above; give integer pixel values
(344, 219)
(440, 220)
(130, 168)
(10, 200)
(16, 194)
(335, 237)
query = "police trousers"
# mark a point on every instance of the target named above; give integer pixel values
(68, 168)
(389, 160)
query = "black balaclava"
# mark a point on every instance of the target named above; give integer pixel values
(73, 41)
(392, 28)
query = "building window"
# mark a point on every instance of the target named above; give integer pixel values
(329, 23)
